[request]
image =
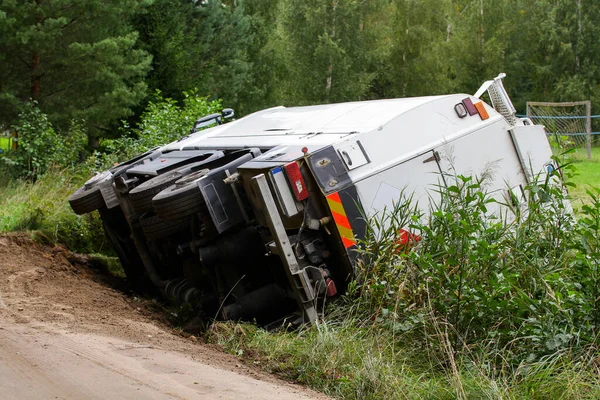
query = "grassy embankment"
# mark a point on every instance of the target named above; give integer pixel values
(345, 359)
(42, 209)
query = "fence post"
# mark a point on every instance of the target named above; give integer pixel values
(15, 140)
(588, 110)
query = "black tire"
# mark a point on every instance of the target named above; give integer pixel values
(141, 196)
(155, 228)
(88, 198)
(181, 199)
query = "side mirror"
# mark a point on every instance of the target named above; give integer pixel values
(213, 119)
(228, 113)
(207, 121)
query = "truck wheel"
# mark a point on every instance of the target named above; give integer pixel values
(154, 227)
(181, 199)
(88, 197)
(141, 196)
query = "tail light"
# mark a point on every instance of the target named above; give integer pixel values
(406, 240)
(331, 288)
(292, 170)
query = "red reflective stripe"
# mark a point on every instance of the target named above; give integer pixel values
(348, 243)
(341, 220)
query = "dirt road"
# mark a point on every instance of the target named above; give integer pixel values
(65, 333)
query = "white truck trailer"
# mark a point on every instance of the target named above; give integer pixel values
(259, 218)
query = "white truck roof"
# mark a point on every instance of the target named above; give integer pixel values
(389, 131)
(318, 125)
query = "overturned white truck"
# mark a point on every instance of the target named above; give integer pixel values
(259, 218)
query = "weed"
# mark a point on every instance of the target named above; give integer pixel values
(475, 304)
(42, 206)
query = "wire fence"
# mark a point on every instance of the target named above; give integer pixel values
(569, 125)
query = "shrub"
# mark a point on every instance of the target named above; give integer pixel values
(524, 284)
(40, 145)
(164, 120)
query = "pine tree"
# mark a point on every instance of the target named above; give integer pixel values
(329, 45)
(417, 62)
(200, 45)
(76, 59)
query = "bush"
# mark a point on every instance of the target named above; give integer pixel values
(50, 162)
(522, 285)
(163, 121)
(40, 146)
(469, 306)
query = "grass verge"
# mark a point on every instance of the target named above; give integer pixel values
(42, 208)
(345, 360)
(5, 143)
(587, 172)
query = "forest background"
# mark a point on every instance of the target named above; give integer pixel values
(100, 62)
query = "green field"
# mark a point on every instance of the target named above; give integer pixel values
(4, 143)
(587, 172)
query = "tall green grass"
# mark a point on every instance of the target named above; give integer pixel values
(42, 208)
(345, 359)
(480, 308)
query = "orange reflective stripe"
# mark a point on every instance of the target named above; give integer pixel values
(335, 197)
(341, 220)
(336, 207)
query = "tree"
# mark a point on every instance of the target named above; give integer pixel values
(77, 59)
(329, 45)
(417, 60)
(268, 56)
(565, 58)
(199, 45)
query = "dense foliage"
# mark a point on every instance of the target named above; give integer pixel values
(524, 284)
(41, 146)
(51, 168)
(79, 60)
(472, 307)
(164, 120)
